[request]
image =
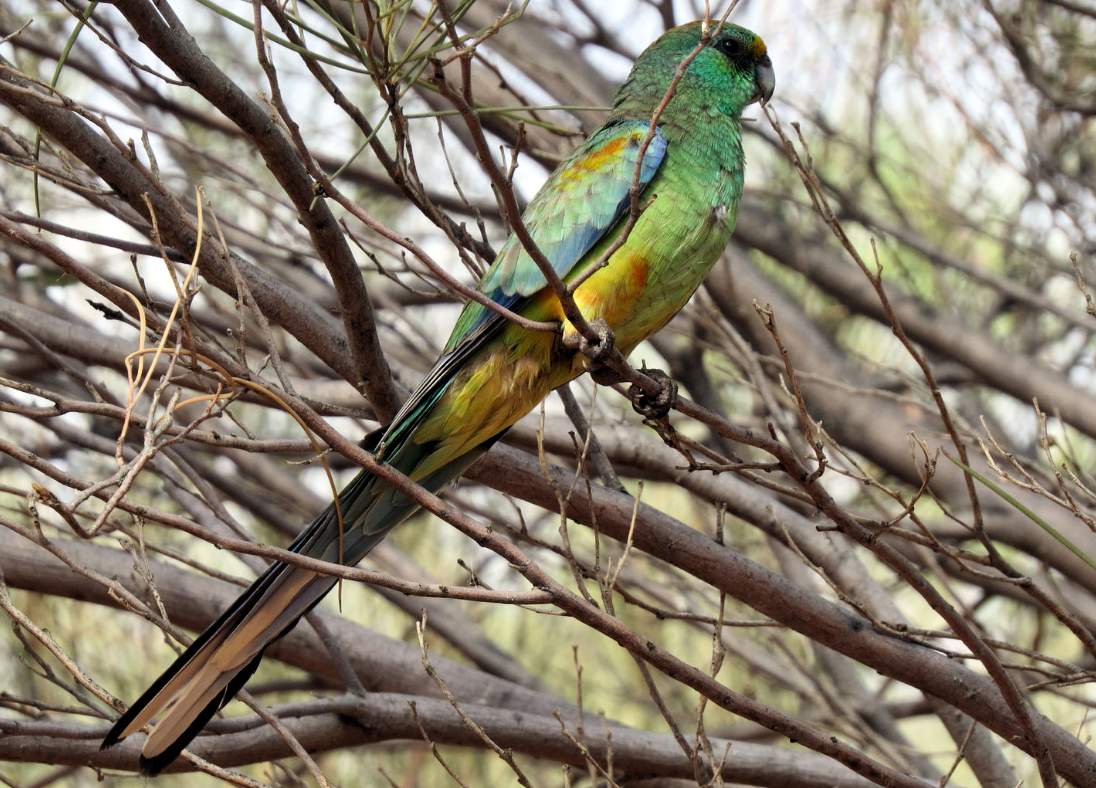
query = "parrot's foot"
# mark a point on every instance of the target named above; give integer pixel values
(597, 353)
(654, 406)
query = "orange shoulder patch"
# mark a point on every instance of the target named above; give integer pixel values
(597, 159)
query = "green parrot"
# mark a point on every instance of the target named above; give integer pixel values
(493, 371)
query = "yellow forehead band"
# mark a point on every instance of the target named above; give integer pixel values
(757, 48)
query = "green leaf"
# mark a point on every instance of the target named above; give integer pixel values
(1028, 513)
(80, 22)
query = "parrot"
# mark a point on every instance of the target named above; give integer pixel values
(493, 371)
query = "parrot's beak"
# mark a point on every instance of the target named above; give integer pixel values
(764, 80)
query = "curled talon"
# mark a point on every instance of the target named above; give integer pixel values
(596, 353)
(654, 406)
(600, 352)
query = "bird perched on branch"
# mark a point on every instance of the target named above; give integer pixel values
(685, 170)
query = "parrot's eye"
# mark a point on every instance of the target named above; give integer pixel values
(731, 47)
(734, 50)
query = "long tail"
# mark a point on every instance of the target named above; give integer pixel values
(219, 662)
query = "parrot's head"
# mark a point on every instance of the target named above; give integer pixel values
(732, 71)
